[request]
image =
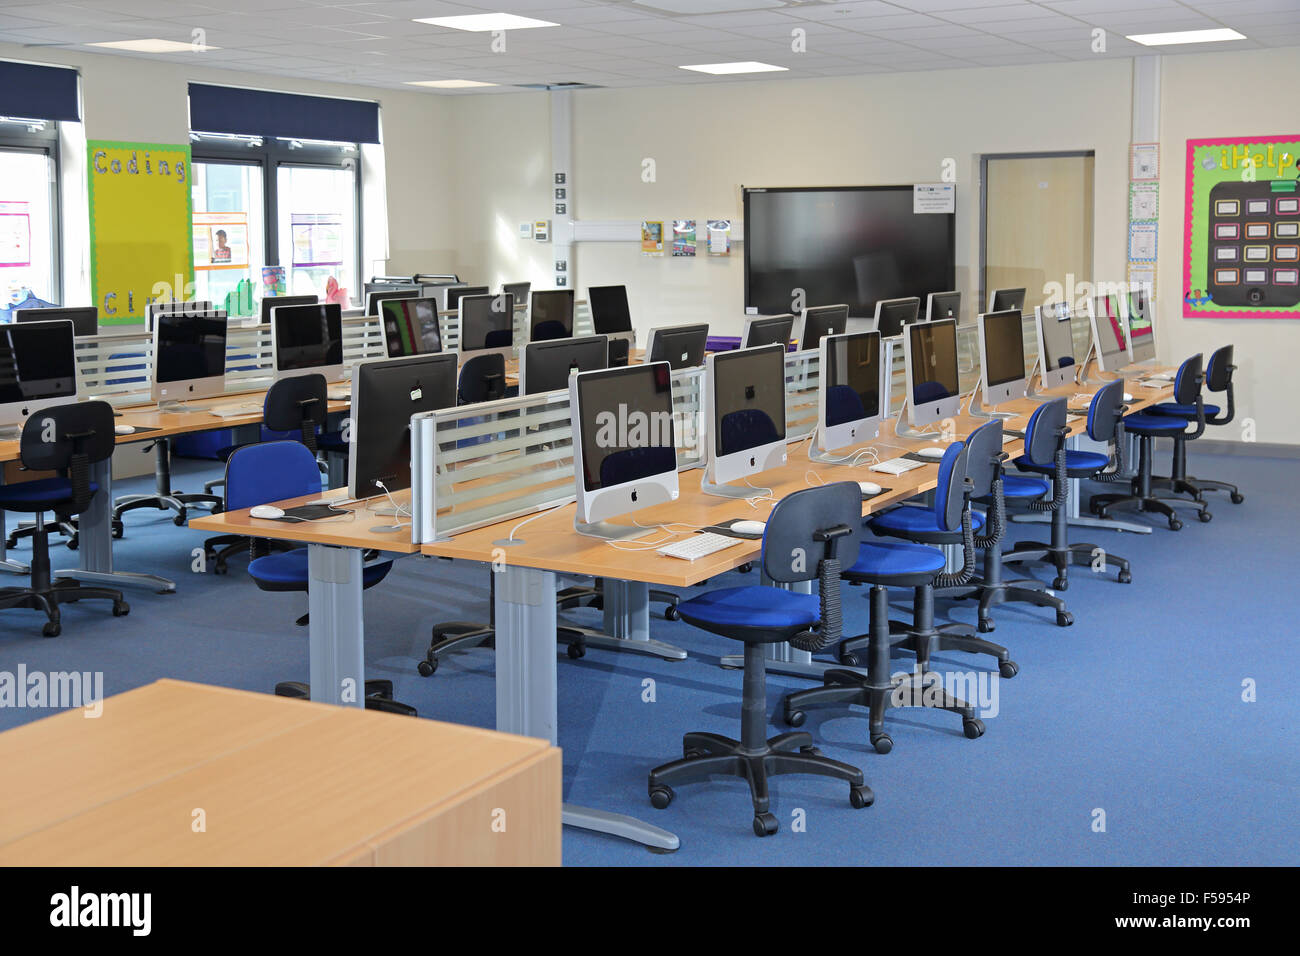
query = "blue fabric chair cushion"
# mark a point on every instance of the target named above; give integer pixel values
(1149, 424)
(1184, 411)
(912, 520)
(753, 607)
(880, 559)
(1022, 486)
(39, 495)
(1086, 461)
(287, 571)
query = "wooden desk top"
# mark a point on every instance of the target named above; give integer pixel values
(355, 532)
(281, 782)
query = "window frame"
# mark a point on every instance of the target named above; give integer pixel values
(44, 141)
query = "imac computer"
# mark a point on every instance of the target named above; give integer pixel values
(385, 394)
(546, 366)
(624, 446)
(457, 292)
(930, 361)
(188, 307)
(308, 338)
(1141, 327)
(744, 414)
(767, 330)
(411, 327)
(681, 346)
(520, 290)
(1055, 343)
(85, 321)
(943, 305)
(550, 316)
(38, 368)
(851, 391)
(487, 325)
(1000, 300)
(278, 301)
(610, 315)
(189, 358)
(893, 314)
(1002, 359)
(822, 320)
(1110, 340)
(375, 299)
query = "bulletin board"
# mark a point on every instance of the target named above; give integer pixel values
(1241, 234)
(141, 235)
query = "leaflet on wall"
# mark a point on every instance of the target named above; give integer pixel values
(719, 237)
(1144, 161)
(1143, 202)
(934, 198)
(273, 281)
(220, 240)
(684, 237)
(652, 238)
(1142, 242)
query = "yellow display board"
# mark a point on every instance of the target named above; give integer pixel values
(141, 245)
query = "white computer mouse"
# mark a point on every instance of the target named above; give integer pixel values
(265, 511)
(748, 527)
(869, 487)
(1128, 397)
(931, 451)
(124, 429)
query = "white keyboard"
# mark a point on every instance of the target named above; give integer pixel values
(698, 546)
(234, 411)
(895, 466)
(339, 396)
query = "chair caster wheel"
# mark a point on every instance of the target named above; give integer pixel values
(577, 650)
(660, 797)
(121, 609)
(1125, 576)
(179, 520)
(52, 629)
(1061, 584)
(72, 543)
(119, 529)
(1008, 669)
(598, 603)
(1237, 498)
(795, 718)
(849, 659)
(810, 751)
(1064, 618)
(746, 567)
(986, 626)
(1205, 516)
(764, 824)
(1175, 524)
(692, 753)
(427, 667)
(861, 797)
(973, 728)
(670, 612)
(883, 743)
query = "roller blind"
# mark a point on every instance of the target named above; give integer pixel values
(228, 109)
(38, 92)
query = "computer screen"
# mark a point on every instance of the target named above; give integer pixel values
(189, 359)
(1141, 327)
(38, 367)
(308, 338)
(520, 290)
(411, 327)
(551, 315)
(457, 292)
(385, 394)
(942, 305)
(1001, 300)
(1002, 355)
(820, 321)
(893, 314)
(1058, 335)
(932, 373)
(85, 320)
(681, 346)
(188, 307)
(747, 387)
(851, 389)
(277, 301)
(609, 311)
(487, 322)
(1109, 336)
(546, 366)
(767, 330)
(375, 299)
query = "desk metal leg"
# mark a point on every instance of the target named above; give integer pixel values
(95, 542)
(16, 567)
(338, 666)
(627, 622)
(526, 687)
(1077, 520)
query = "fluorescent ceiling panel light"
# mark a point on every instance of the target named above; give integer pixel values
(725, 69)
(154, 45)
(1186, 36)
(448, 84)
(483, 22)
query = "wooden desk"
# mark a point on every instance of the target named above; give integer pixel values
(280, 782)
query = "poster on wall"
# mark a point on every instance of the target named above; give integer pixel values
(141, 233)
(684, 237)
(317, 239)
(220, 240)
(652, 238)
(1241, 233)
(719, 237)
(15, 235)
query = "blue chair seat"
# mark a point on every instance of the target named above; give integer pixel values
(914, 520)
(287, 571)
(1022, 486)
(39, 495)
(878, 561)
(1085, 462)
(1182, 411)
(753, 614)
(1142, 424)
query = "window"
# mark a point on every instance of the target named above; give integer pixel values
(30, 275)
(229, 232)
(318, 228)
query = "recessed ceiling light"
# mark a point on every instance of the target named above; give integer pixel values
(483, 22)
(155, 45)
(448, 84)
(723, 69)
(1186, 36)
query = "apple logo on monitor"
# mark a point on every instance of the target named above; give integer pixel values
(634, 495)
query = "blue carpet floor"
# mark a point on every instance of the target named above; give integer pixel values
(1135, 711)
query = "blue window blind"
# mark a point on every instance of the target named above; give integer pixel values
(228, 109)
(38, 92)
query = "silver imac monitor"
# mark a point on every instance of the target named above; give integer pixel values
(744, 414)
(766, 330)
(624, 445)
(38, 368)
(893, 314)
(189, 356)
(457, 292)
(85, 320)
(270, 302)
(550, 316)
(1141, 326)
(1000, 300)
(1109, 336)
(410, 326)
(851, 390)
(943, 305)
(1055, 344)
(610, 315)
(187, 307)
(375, 299)
(487, 325)
(822, 320)
(681, 346)
(546, 366)
(308, 338)
(1002, 356)
(930, 360)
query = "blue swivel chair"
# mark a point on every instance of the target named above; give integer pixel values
(1046, 454)
(886, 564)
(1150, 426)
(1218, 378)
(273, 471)
(81, 435)
(806, 534)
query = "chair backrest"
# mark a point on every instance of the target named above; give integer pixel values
(270, 471)
(297, 404)
(482, 379)
(1188, 381)
(985, 451)
(1104, 411)
(1042, 434)
(69, 437)
(791, 550)
(1218, 374)
(949, 494)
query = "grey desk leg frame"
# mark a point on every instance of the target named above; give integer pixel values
(627, 622)
(526, 687)
(1077, 520)
(337, 631)
(14, 567)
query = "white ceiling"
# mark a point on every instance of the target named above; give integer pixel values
(623, 43)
